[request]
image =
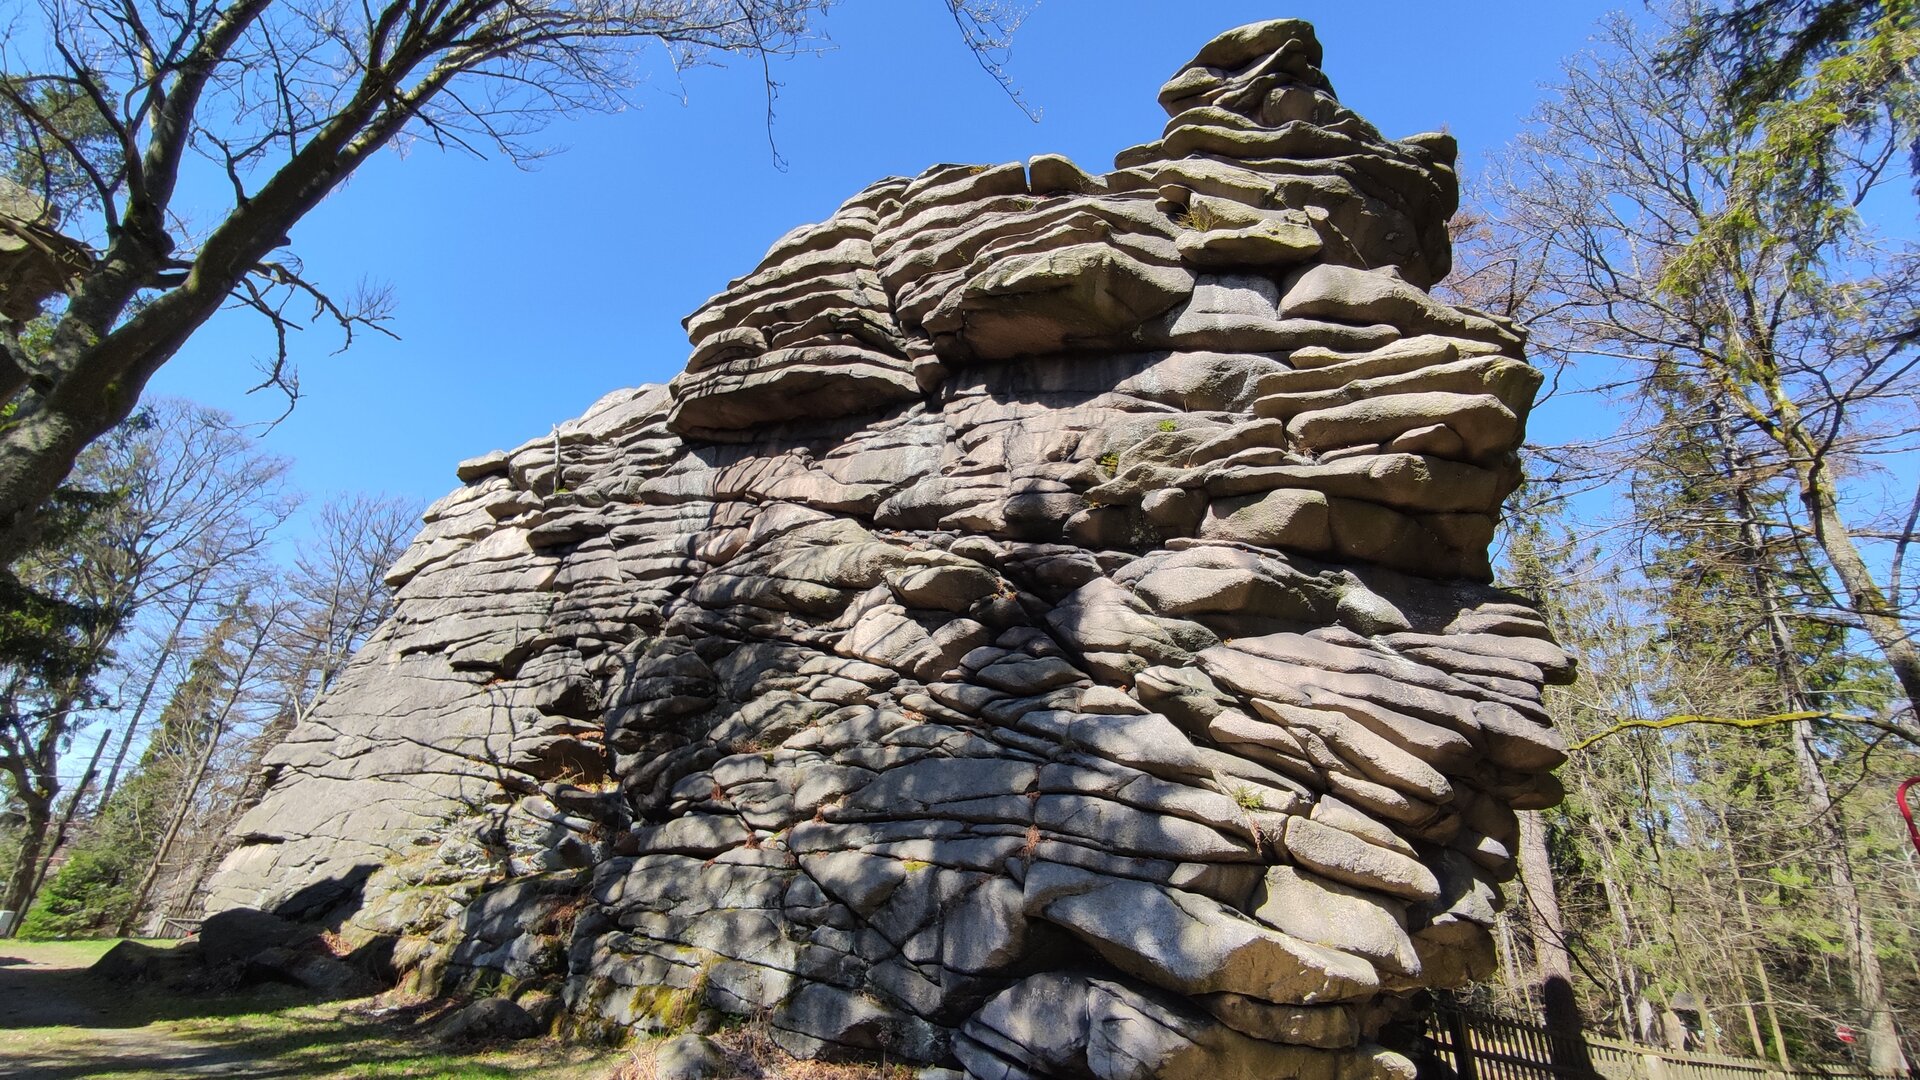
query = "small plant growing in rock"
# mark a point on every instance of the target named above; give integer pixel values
(1168, 425)
(1110, 462)
(1198, 218)
(676, 1008)
(1249, 797)
(557, 918)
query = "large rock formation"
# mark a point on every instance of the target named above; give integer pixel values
(1044, 631)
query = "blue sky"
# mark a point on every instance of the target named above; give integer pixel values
(524, 295)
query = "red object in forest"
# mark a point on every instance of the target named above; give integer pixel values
(1843, 1032)
(1913, 832)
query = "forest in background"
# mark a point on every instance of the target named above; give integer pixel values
(1708, 229)
(200, 634)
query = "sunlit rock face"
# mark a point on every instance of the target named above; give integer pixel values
(1043, 632)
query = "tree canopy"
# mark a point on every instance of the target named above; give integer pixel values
(107, 106)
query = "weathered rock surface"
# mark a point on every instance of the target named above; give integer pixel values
(690, 1057)
(243, 947)
(1044, 632)
(488, 1018)
(37, 261)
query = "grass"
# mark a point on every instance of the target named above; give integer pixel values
(73, 953)
(145, 1033)
(101, 1029)
(358, 1040)
(1198, 218)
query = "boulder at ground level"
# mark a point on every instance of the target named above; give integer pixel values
(240, 934)
(689, 1057)
(488, 1018)
(318, 971)
(133, 961)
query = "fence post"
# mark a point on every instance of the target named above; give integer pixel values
(1656, 1066)
(1463, 1064)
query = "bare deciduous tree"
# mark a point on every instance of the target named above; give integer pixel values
(190, 499)
(283, 100)
(338, 580)
(337, 597)
(1807, 367)
(211, 498)
(1784, 353)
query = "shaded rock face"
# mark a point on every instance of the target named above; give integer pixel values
(37, 262)
(1043, 632)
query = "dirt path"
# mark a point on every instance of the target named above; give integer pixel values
(46, 993)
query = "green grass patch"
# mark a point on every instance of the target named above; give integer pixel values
(81, 953)
(85, 1026)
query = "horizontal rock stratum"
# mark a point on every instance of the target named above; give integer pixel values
(1043, 632)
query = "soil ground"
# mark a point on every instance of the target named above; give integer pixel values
(59, 1022)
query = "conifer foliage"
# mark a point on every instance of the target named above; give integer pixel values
(194, 634)
(1729, 563)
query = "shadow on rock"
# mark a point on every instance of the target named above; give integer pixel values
(247, 948)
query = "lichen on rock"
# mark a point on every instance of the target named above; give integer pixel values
(1044, 631)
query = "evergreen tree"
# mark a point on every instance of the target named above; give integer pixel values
(96, 888)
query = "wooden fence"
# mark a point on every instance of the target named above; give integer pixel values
(177, 928)
(1488, 1048)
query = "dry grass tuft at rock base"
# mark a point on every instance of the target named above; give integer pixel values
(745, 1052)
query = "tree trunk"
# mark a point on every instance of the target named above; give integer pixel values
(1869, 603)
(174, 824)
(1785, 425)
(202, 865)
(146, 692)
(249, 796)
(66, 814)
(1878, 617)
(38, 786)
(104, 356)
(1882, 1040)
(1626, 987)
(238, 682)
(1759, 964)
(1754, 1038)
(19, 894)
(1553, 964)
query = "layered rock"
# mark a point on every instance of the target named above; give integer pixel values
(37, 262)
(1044, 632)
